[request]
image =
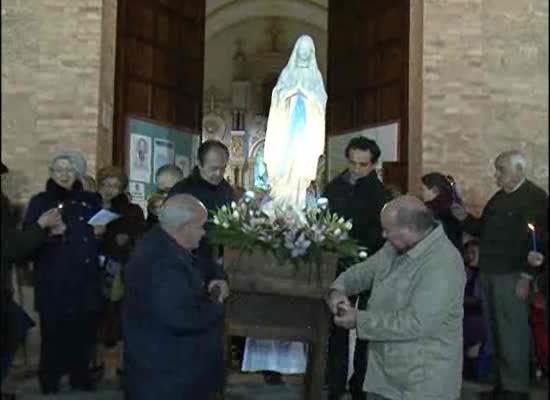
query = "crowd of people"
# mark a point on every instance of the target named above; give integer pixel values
(444, 294)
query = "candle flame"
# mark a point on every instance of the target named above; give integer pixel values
(531, 227)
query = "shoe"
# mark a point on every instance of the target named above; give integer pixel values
(273, 378)
(9, 396)
(506, 395)
(49, 391)
(83, 386)
(97, 372)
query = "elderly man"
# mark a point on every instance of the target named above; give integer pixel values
(505, 276)
(173, 316)
(413, 319)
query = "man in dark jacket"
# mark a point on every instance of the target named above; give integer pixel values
(356, 194)
(207, 184)
(173, 315)
(505, 275)
(17, 245)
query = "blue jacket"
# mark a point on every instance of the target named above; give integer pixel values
(67, 274)
(173, 331)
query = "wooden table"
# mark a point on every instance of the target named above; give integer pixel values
(289, 318)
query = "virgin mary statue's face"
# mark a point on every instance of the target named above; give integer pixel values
(303, 53)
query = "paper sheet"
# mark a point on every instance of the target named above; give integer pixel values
(103, 217)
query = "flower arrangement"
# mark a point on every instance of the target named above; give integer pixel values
(288, 235)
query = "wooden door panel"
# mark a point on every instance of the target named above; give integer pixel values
(159, 65)
(141, 22)
(368, 50)
(168, 32)
(139, 98)
(389, 63)
(139, 58)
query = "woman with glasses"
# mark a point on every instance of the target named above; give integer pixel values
(67, 288)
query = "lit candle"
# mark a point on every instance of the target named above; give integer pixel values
(534, 235)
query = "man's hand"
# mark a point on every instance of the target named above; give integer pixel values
(535, 259)
(50, 219)
(459, 211)
(346, 316)
(122, 239)
(220, 288)
(522, 288)
(335, 298)
(99, 230)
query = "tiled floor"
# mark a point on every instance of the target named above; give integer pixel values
(241, 387)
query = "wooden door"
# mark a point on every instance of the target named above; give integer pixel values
(159, 65)
(368, 55)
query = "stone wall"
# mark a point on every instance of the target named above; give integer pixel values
(50, 86)
(485, 76)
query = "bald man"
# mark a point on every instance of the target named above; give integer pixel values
(173, 316)
(505, 242)
(413, 320)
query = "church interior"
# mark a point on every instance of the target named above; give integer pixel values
(461, 81)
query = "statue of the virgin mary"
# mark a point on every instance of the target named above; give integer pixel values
(295, 136)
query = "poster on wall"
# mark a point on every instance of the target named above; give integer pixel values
(164, 153)
(163, 144)
(137, 190)
(140, 151)
(183, 163)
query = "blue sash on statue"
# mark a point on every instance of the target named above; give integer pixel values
(296, 127)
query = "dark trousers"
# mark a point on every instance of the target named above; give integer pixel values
(338, 355)
(67, 346)
(507, 320)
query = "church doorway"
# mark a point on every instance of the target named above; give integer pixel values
(372, 68)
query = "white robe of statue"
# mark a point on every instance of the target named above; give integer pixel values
(295, 138)
(295, 135)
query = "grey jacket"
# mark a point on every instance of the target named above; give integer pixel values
(413, 320)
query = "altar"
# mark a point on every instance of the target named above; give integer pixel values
(281, 302)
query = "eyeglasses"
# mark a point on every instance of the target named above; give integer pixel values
(60, 171)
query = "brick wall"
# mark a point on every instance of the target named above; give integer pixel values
(485, 89)
(50, 86)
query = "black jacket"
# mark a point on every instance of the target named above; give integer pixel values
(212, 196)
(504, 236)
(361, 202)
(173, 331)
(131, 223)
(441, 210)
(17, 245)
(67, 270)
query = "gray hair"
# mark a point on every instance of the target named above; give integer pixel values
(76, 159)
(516, 158)
(171, 169)
(173, 214)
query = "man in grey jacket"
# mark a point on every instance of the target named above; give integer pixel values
(414, 316)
